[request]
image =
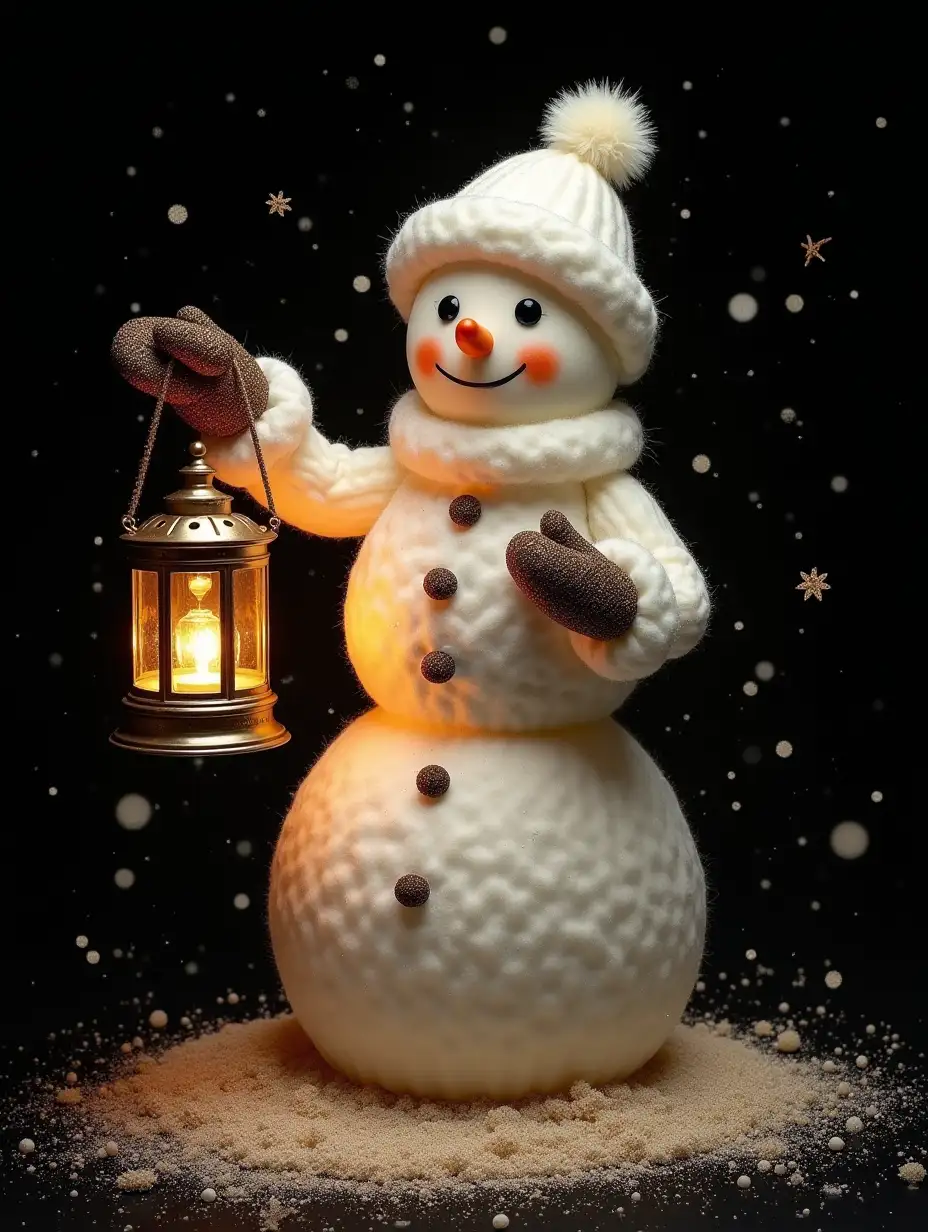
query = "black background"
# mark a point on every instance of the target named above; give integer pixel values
(92, 240)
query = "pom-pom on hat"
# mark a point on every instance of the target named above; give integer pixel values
(552, 213)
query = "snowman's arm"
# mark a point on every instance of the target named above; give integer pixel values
(619, 507)
(318, 486)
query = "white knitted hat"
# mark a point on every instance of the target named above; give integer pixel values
(552, 213)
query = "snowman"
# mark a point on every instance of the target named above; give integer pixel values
(484, 887)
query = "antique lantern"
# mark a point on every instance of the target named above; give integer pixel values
(199, 621)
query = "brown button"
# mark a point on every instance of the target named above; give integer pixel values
(412, 890)
(433, 781)
(437, 667)
(439, 583)
(465, 511)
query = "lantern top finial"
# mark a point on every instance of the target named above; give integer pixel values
(197, 495)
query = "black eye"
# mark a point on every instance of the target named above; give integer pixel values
(449, 307)
(528, 312)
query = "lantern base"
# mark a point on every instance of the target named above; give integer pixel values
(176, 729)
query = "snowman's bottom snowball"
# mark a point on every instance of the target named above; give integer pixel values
(564, 928)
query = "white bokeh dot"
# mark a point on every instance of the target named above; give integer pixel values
(178, 214)
(881, 121)
(849, 840)
(498, 35)
(701, 464)
(839, 483)
(133, 812)
(124, 878)
(304, 224)
(764, 670)
(380, 60)
(788, 415)
(784, 748)
(742, 307)
(361, 283)
(341, 335)
(241, 902)
(794, 303)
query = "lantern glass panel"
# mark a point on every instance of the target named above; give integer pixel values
(249, 596)
(145, 630)
(196, 629)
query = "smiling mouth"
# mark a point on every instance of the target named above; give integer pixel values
(503, 380)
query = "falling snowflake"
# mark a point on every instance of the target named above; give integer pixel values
(812, 247)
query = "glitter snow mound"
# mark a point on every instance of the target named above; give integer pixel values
(256, 1098)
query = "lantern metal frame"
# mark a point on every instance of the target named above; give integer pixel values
(198, 533)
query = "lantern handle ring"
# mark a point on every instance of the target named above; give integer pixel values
(128, 520)
(273, 520)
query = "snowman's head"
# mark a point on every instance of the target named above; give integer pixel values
(490, 345)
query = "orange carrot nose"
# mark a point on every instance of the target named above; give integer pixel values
(473, 339)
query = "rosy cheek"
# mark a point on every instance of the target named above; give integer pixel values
(542, 364)
(427, 355)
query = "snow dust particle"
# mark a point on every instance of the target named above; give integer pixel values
(764, 670)
(55, 659)
(111, 1149)
(750, 955)
(137, 1179)
(501, 1221)
(784, 748)
(82, 942)
(230, 98)
(862, 1062)
(834, 979)
(687, 85)
(191, 967)
(881, 121)
(763, 1029)
(26, 1146)
(124, 878)
(208, 1195)
(135, 307)
(362, 283)
(839, 483)
(794, 303)
(739, 625)
(742, 307)
(304, 224)
(876, 796)
(498, 35)
(701, 464)
(788, 415)
(380, 60)
(352, 83)
(849, 840)
(341, 335)
(158, 1019)
(750, 688)
(744, 1182)
(133, 812)
(854, 294)
(685, 213)
(784, 121)
(53, 791)
(178, 214)
(764, 1165)
(853, 1125)
(157, 131)
(788, 1041)
(912, 1173)
(408, 107)
(241, 901)
(93, 957)
(130, 171)
(243, 847)
(836, 1144)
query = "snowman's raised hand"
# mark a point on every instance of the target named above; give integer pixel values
(570, 581)
(204, 387)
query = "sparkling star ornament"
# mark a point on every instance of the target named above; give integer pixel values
(279, 204)
(813, 584)
(812, 247)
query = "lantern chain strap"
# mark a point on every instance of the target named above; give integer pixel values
(273, 520)
(128, 521)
